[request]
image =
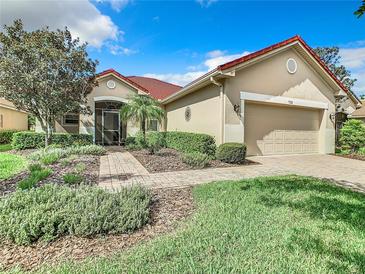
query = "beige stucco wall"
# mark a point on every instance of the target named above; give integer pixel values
(122, 91)
(269, 76)
(11, 118)
(205, 112)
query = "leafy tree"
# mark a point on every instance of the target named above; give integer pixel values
(45, 73)
(330, 56)
(360, 12)
(142, 108)
(353, 135)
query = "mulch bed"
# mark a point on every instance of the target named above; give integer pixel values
(168, 207)
(91, 173)
(170, 160)
(352, 156)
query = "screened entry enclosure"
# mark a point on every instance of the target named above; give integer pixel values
(109, 129)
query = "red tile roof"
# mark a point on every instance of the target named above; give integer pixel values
(156, 88)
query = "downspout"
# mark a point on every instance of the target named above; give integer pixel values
(221, 97)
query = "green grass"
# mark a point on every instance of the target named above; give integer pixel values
(10, 165)
(285, 224)
(5, 147)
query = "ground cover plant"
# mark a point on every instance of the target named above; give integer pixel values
(288, 224)
(10, 164)
(5, 147)
(51, 211)
(37, 174)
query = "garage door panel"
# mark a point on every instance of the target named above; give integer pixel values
(271, 130)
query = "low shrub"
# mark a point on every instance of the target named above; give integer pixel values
(130, 140)
(50, 211)
(51, 155)
(6, 136)
(196, 159)
(86, 150)
(352, 135)
(361, 151)
(155, 141)
(80, 167)
(72, 178)
(231, 153)
(27, 139)
(140, 140)
(37, 175)
(190, 142)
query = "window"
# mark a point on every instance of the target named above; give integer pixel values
(152, 125)
(1, 121)
(70, 119)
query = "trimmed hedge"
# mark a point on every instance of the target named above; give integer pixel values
(190, 142)
(231, 152)
(6, 136)
(25, 140)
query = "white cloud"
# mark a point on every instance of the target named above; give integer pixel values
(215, 58)
(119, 50)
(82, 18)
(359, 87)
(212, 63)
(117, 5)
(353, 58)
(215, 53)
(206, 3)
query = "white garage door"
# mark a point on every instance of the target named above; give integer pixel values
(274, 130)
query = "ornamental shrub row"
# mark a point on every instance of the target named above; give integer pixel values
(6, 136)
(190, 142)
(25, 140)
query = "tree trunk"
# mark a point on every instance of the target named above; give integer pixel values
(143, 127)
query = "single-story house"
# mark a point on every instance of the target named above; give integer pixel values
(12, 118)
(359, 113)
(105, 100)
(278, 100)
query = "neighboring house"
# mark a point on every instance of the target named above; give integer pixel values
(279, 100)
(359, 113)
(11, 118)
(105, 100)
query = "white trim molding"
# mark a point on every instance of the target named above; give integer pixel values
(281, 100)
(110, 98)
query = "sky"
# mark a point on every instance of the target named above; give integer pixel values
(177, 41)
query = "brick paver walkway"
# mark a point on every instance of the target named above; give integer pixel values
(119, 169)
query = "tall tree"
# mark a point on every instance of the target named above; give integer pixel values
(360, 12)
(331, 57)
(142, 108)
(45, 73)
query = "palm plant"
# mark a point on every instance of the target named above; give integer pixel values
(142, 108)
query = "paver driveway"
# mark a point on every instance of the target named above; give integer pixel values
(121, 169)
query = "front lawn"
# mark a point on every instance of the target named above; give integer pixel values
(10, 164)
(5, 147)
(287, 224)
